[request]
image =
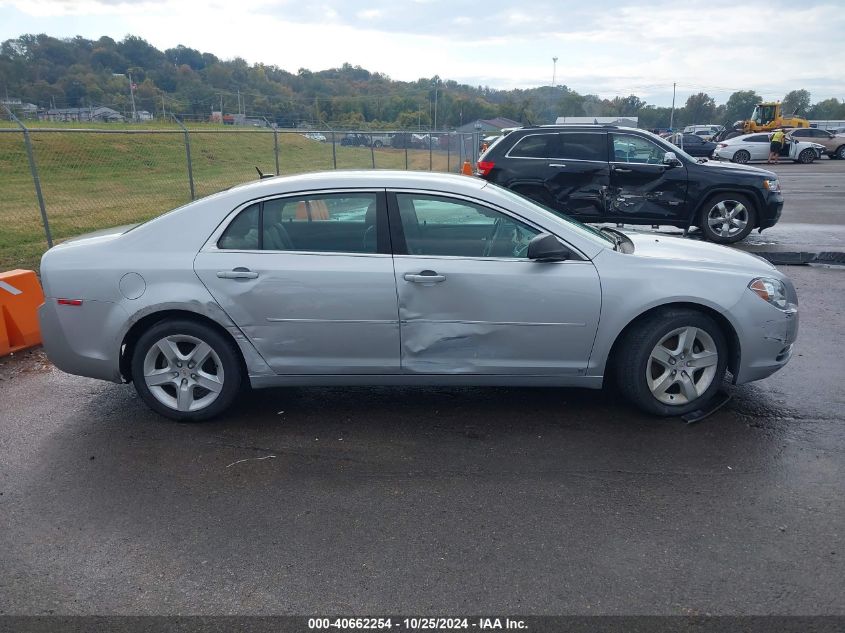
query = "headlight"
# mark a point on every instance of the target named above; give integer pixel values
(771, 185)
(771, 290)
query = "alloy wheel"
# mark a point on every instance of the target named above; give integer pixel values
(183, 372)
(727, 218)
(682, 366)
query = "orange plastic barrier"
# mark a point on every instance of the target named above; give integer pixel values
(20, 296)
(466, 170)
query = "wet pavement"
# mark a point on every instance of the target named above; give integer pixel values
(430, 501)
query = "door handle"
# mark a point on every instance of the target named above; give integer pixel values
(237, 273)
(425, 277)
(622, 170)
(556, 165)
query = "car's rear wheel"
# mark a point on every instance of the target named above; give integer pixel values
(727, 218)
(741, 156)
(672, 362)
(806, 156)
(186, 370)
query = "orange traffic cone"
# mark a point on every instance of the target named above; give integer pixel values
(466, 170)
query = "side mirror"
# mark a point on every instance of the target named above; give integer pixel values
(547, 248)
(671, 159)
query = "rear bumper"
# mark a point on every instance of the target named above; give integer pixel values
(83, 340)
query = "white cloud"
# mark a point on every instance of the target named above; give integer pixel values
(620, 47)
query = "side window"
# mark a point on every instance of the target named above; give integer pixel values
(803, 133)
(344, 222)
(759, 138)
(242, 233)
(582, 146)
(635, 149)
(536, 146)
(443, 226)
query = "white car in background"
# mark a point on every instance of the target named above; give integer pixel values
(749, 147)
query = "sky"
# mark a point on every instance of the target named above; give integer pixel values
(604, 47)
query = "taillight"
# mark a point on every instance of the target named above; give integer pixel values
(485, 167)
(69, 302)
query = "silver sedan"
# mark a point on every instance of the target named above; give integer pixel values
(402, 278)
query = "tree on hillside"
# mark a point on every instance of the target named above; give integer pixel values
(700, 108)
(739, 106)
(829, 109)
(796, 101)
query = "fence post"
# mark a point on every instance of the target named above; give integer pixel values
(334, 152)
(276, 148)
(406, 150)
(35, 178)
(448, 152)
(188, 157)
(430, 162)
(372, 152)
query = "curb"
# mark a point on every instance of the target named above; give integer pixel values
(801, 258)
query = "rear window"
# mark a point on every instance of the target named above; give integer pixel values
(535, 146)
(583, 146)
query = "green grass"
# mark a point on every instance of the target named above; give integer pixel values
(93, 180)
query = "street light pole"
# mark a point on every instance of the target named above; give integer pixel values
(554, 70)
(436, 80)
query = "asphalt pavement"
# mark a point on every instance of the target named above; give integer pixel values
(430, 501)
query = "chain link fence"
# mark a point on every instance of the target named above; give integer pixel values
(61, 182)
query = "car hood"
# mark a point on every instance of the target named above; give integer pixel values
(695, 252)
(735, 168)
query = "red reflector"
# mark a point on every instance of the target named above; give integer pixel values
(69, 302)
(485, 166)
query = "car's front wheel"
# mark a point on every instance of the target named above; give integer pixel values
(727, 218)
(840, 152)
(186, 370)
(672, 362)
(806, 156)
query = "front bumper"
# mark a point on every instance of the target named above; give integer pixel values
(772, 209)
(767, 343)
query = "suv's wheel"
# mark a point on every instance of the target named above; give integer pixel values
(840, 152)
(727, 218)
(378, 144)
(185, 370)
(741, 156)
(672, 362)
(806, 156)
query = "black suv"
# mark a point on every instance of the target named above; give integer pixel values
(614, 174)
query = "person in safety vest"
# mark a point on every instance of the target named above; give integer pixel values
(775, 146)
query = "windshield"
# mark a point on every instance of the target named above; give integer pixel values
(582, 229)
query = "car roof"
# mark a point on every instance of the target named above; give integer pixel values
(361, 179)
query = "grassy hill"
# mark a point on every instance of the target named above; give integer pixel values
(124, 174)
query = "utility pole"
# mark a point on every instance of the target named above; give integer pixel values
(672, 115)
(436, 81)
(554, 70)
(132, 97)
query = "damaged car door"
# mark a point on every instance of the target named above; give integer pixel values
(472, 302)
(308, 278)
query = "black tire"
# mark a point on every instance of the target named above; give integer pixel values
(223, 353)
(741, 156)
(378, 144)
(806, 156)
(839, 153)
(708, 209)
(633, 360)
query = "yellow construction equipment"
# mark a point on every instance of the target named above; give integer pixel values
(769, 116)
